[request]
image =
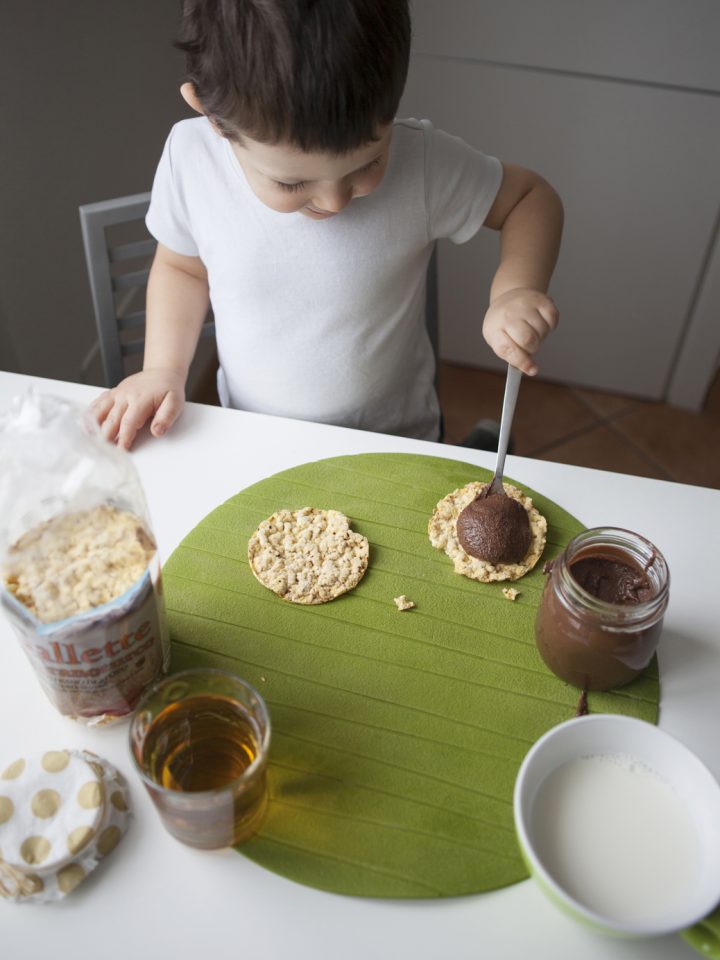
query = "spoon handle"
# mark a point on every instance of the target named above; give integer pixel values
(512, 385)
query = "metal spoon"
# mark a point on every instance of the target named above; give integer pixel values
(512, 385)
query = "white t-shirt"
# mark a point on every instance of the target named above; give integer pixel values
(324, 320)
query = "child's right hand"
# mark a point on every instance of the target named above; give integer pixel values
(157, 393)
(516, 323)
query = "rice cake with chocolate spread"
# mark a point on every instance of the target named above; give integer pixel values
(442, 530)
(308, 555)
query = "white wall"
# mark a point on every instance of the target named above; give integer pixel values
(617, 103)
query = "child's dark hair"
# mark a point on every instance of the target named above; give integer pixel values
(321, 75)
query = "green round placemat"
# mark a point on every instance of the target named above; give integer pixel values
(396, 736)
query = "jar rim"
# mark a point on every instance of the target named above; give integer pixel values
(643, 552)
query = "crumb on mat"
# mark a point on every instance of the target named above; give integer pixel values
(402, 602)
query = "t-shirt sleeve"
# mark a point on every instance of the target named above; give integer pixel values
(167, 217)
(461, 184)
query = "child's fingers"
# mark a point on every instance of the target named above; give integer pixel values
(507, 349)
(549, 312)
(127, 433)
(525, 335)
(535, 321)
(528, 331)
(527, 365)
(135, 416)
(111, 423)
(101, 406)
(167, 413)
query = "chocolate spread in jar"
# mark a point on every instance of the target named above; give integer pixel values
(495, 528)
(600, 617)
(612, 578)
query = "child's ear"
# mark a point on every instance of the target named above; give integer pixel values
(189, 95)
(187, 92)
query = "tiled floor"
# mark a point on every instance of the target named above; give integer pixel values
(589, 428)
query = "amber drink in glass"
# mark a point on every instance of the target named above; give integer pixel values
(200, 741)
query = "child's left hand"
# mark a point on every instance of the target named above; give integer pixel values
(517, 323)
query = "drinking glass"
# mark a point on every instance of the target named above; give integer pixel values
(199, 740)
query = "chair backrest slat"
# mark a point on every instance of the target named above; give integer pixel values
(126, 281)
(95, 218)
(131, 321)
(133, 346)
(132, 251)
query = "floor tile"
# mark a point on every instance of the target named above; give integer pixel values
(545, 414)
(603, 448)
(605, 405)
(466, 396)
(686, 445)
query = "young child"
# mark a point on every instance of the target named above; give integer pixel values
(305, 213)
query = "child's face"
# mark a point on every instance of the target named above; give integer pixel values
(318, 185)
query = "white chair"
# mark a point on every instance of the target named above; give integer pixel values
(118, 254)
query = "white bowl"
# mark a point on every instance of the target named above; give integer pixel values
(653, 750)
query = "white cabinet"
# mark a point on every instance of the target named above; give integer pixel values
(636, 161)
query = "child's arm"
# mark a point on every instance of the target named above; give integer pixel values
(177, 303)
(529, 215)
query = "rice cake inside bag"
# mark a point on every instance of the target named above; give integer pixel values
(79, 570)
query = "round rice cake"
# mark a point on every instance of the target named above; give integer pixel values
(442, 530)
(308, 555)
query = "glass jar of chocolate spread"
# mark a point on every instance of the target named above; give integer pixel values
(602, 608)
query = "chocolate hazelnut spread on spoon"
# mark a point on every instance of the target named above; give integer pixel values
(494, 527)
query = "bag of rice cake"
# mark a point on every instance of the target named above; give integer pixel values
(79, 569)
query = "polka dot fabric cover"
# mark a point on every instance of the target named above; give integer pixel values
(60, 814)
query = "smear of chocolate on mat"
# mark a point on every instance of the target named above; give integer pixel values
(582, 708)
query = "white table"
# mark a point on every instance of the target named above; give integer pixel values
(155, 898)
